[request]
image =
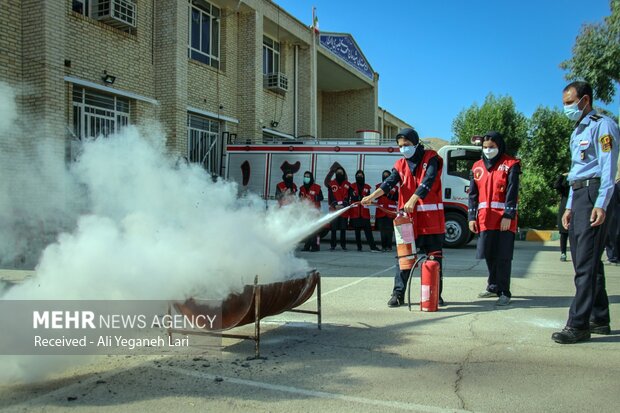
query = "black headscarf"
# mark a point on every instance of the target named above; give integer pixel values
(360, 183)
(383, 177)
(496, 137)
(344, 175)
(287, 182)
(410, 134)
(311, 179)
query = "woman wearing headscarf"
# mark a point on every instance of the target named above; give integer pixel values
(493, 197)
(286, 189)
(359, 215)
(419, 174)
(338, 196)
(312, 193)
(383, 220)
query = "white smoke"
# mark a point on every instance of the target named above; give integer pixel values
(152, 228)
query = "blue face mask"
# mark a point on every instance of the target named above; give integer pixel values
(572, 111)
(408, 151)
(306, 180)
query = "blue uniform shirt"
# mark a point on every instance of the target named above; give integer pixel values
(594, 154)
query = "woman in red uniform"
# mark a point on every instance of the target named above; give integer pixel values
(313, 194)
(338, 196)
(384, 221)
(493, 196)
(359, 216)
(286, 189)
(419, 175)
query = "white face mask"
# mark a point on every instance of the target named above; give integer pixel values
(490, 153)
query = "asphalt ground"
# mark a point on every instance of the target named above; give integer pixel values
(469, 356)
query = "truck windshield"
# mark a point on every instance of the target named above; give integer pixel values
(460, 162)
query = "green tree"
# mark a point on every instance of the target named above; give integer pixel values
(596, 55)
(498, 114)
(545, 155)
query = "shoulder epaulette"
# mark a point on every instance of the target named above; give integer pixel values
(596, 118)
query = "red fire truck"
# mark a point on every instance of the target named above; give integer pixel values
(258, 168)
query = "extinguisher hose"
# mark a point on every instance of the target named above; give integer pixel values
(415, 265)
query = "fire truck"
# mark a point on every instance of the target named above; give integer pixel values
(259, 167)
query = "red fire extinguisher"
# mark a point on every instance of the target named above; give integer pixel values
(429, 285)
(405, 240)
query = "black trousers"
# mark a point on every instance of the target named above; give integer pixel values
(586, 247)
(499, 276)
(364, 224)
(612, 243)
(426, 244)
(339, 223)
(386, 228)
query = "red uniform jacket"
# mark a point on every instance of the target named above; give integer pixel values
(492, 186)
(387, 201)
(428, 217)
(357, 194)
(312, 194)
(339, 195)
(283, 193)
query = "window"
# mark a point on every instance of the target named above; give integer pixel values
(460, 162)
(81, 6)
(96, 114)
(204, 33)
(271, 56)
(204, 147)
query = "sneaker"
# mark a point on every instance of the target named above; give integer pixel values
(375, 250)
(503, 300)
(570, 335)
(487, 294)
(396, 301)
(563, 257)
(596, 328)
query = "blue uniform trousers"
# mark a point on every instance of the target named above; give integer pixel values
(586, 246)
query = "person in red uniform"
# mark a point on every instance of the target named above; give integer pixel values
(419, 175)
(384, 221)
(493, 197)
(338, 196)
(359, 216)
(286, 189)
(312, 193)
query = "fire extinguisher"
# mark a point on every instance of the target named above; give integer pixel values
(405, 240)
(429, 285)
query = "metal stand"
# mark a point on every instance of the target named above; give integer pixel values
(257, 292)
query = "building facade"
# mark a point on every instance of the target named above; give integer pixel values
(211, 72)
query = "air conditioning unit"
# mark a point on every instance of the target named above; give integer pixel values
(116, 13)
(278, 82)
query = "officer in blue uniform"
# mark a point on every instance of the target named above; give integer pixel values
(594, 157)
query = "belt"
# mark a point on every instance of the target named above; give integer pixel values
(584, 182)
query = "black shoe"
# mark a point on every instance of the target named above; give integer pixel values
(375, 249)
(570, 335)
(332, 248)
(441, 302)
(344, 248)
(359, 248)
(396, 301)
(596, 328)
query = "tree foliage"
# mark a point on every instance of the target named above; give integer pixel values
(596, 55)
(545, 155)
(497, 114)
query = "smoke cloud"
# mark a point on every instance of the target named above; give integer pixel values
(137, 224)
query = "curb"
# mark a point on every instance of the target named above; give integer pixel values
(539, 235)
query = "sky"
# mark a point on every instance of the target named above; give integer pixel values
(436, 58)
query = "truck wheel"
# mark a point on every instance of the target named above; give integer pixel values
(457, 232)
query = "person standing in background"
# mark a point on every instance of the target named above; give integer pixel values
(561, 185)
(384, 221)
(312, 193)
(338, 196)
(359, 215)
(286, 189)
(493, 197)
